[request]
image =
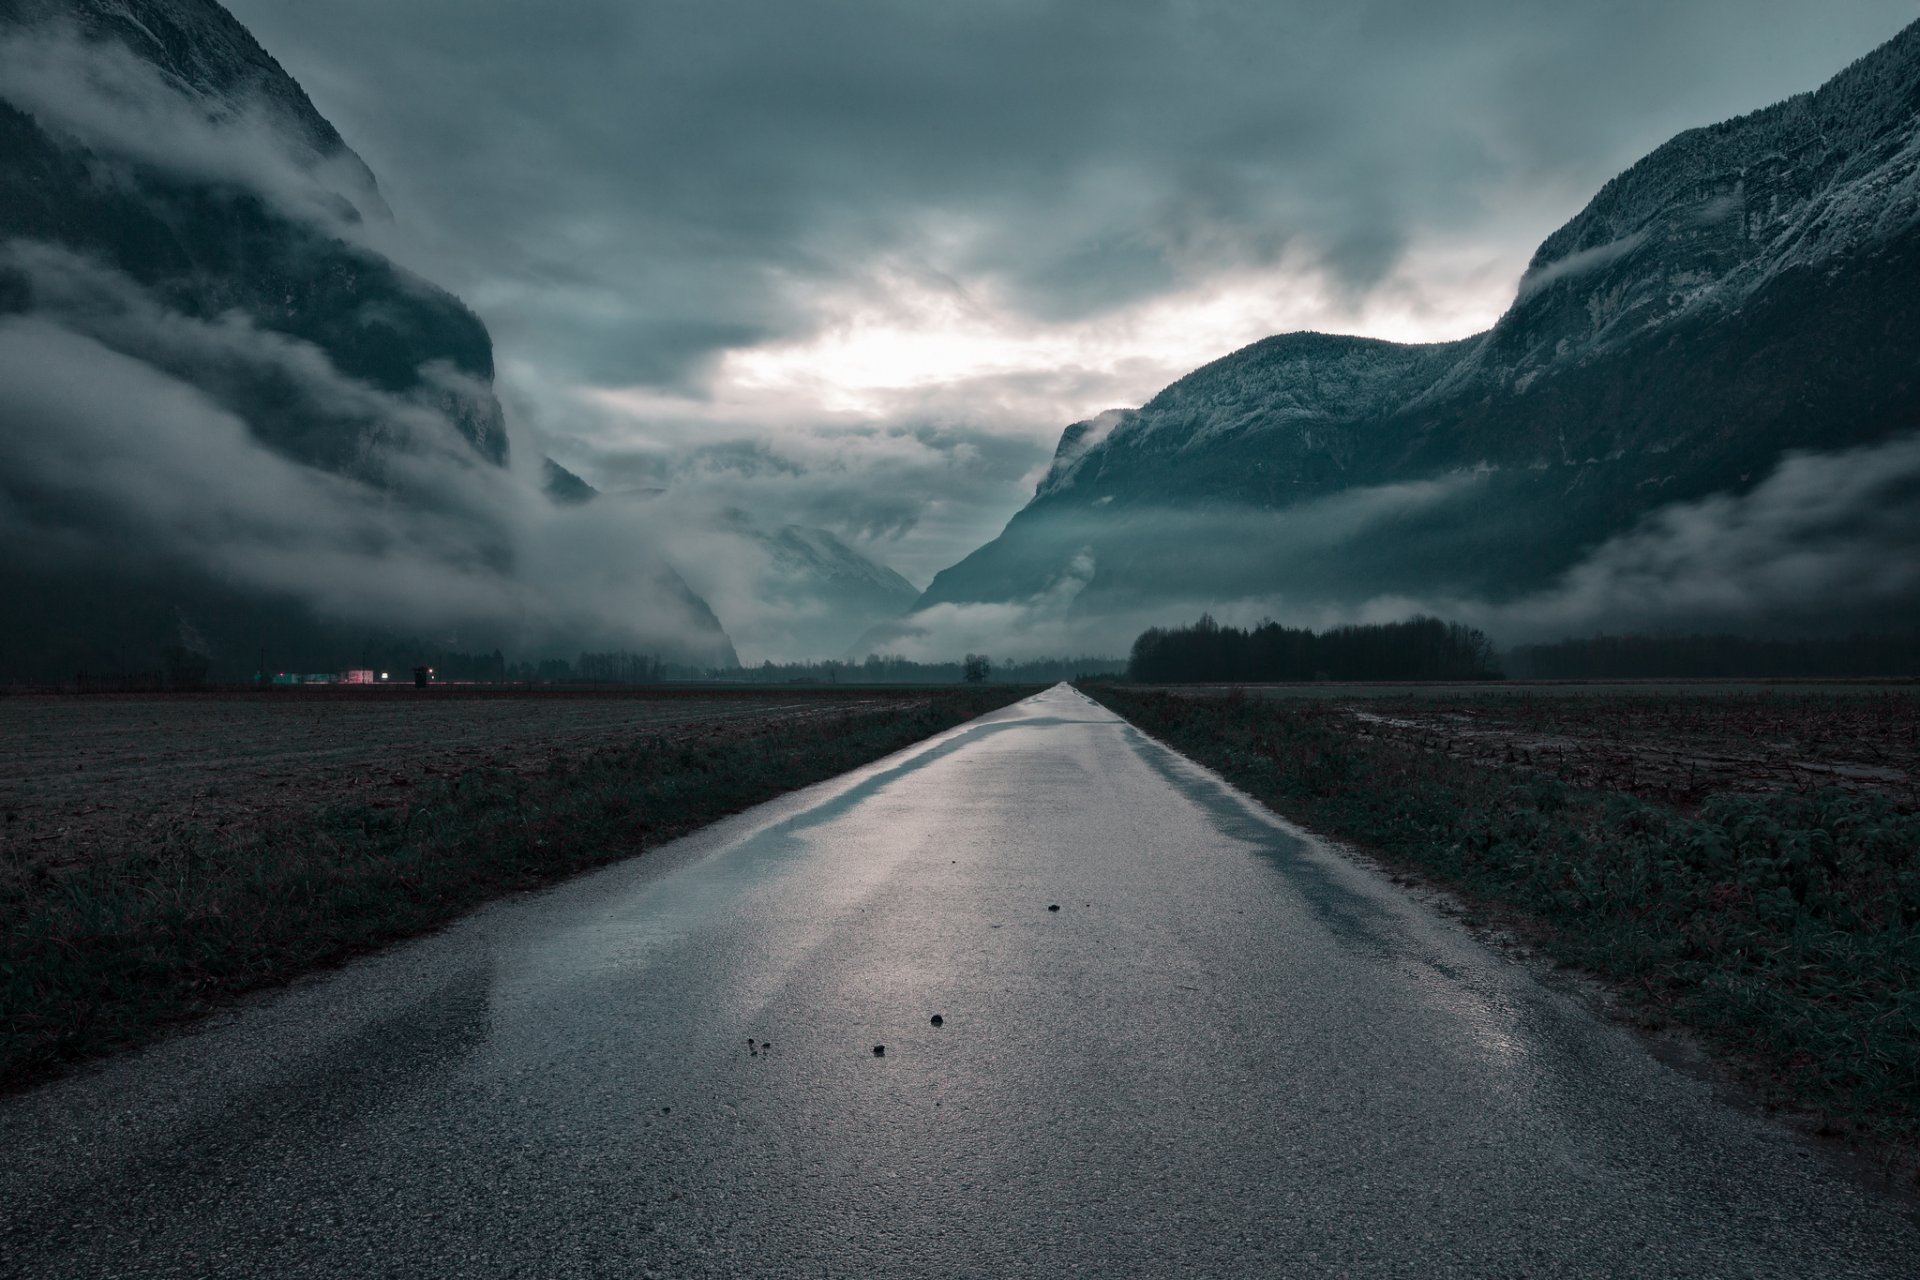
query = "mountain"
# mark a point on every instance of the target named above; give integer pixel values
(813, 594)
(1694, 370)
(829, 594)
(564, 487)
(229, 419)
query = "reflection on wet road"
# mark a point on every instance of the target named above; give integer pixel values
(1229, 1052)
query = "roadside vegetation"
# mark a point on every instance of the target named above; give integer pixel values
(99, 952)
(1782, 922)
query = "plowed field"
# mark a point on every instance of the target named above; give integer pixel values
(83, 777)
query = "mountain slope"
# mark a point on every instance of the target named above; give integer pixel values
(1746, 291)
(829, 594)
(228, 418)
(810, 595)
(140, 185)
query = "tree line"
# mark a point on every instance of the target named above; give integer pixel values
(625, 667)
(616, 666)
(1417, 649)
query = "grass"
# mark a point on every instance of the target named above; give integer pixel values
(1785, 928)
(104, 954)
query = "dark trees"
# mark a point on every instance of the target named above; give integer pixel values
(1417, 649)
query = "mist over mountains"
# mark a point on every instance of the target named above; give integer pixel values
(1700, 410)
(785, 589)
(229, 419)
(233, 418)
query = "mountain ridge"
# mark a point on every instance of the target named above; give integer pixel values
(1744, 291)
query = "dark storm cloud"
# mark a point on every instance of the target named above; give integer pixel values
(687, 159)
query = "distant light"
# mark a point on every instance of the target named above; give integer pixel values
(383, 675)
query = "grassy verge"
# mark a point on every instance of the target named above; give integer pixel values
(100, 956)
(1785, 928)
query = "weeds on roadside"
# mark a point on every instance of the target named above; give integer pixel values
(1785, 927)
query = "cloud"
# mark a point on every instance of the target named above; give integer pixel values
(403, 442)
(1824, 537)
(1043, 625)
(121, 107)
(1579, 263)
(115, 448)
(1824, 541)
(1177, 564)
(130, 453)
(869, 209)
(904, 488)
(855, 264)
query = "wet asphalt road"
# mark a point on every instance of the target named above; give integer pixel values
(1229, 1053)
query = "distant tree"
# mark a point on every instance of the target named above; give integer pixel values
(976, 667)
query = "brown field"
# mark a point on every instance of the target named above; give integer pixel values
(86, 776)
(1672, 747)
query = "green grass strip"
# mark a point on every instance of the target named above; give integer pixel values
(1785, 928)
(102, 956)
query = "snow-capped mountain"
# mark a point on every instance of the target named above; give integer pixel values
(1746, 294)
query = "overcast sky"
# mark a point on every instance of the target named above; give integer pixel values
(855, 263)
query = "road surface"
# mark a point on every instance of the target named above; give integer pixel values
(1230, 1052)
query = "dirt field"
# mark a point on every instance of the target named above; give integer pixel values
(82, 775)
(1500, 690)
(1675, 748)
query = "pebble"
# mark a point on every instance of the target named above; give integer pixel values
(879, 1051)
(937, 1019)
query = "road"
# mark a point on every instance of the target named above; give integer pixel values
(1230, 1052)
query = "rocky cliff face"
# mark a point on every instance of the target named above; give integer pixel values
(1747, 292)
